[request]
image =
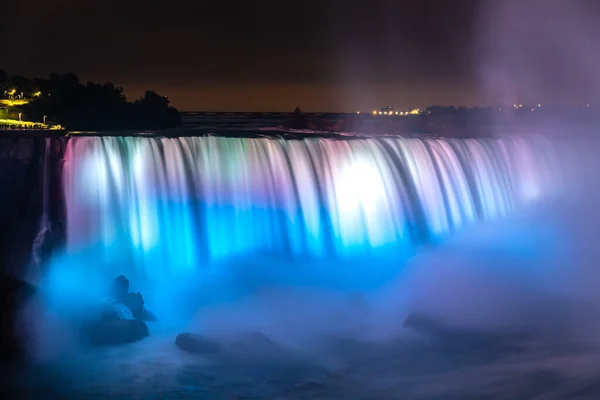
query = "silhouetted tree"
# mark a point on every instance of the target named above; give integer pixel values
(153, 100)
(299, 120)
(98, 106)
(156, 111)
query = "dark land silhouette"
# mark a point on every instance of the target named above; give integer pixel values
(451, 121)
(62, 99)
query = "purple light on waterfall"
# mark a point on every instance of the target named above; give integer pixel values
(183, 202)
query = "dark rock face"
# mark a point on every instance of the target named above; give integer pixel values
(23, 160)
(14, 294)
(197, 344)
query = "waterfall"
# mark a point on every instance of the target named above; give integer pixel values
(177, 203)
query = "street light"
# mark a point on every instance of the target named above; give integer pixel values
(20, 114)
(44, 120)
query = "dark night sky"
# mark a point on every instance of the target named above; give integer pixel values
(329, 55)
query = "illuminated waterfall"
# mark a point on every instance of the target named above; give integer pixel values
(181, 202)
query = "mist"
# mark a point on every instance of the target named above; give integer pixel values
(535, 51)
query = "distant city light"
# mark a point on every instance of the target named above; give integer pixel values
(539, 105)
(388, 111)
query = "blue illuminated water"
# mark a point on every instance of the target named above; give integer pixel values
(157, 208)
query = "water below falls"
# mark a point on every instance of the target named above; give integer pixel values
(175, 204)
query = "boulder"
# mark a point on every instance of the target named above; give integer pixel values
(120, 288)
(118, 311)
(197, 344)
(122, 318)
(117, 331)
(134, 301)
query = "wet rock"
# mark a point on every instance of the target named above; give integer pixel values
(113, 332)
(120, 288)
(197, 344)
(121, 320)
(117, 311)
(134, 301)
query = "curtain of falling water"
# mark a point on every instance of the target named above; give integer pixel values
(178, 202)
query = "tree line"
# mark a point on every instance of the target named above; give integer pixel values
(64, 100)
